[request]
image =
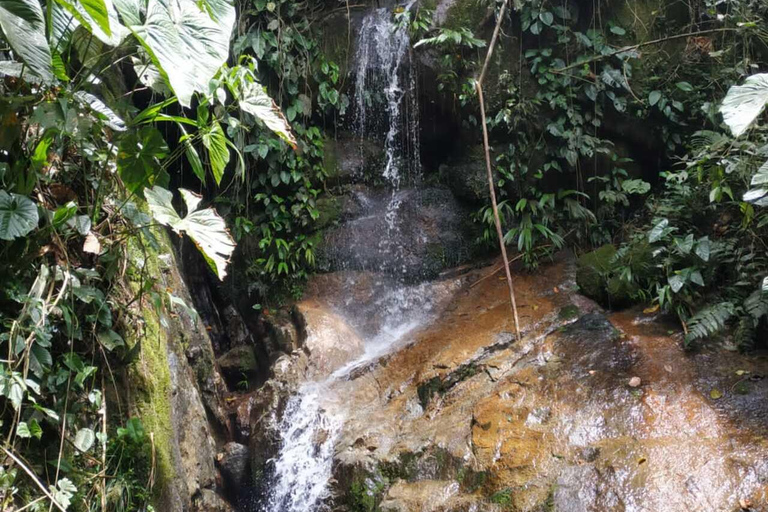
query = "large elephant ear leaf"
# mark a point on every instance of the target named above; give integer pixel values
(205, 227)
(744, 103)
(187, 42)
(23, 25)
(98, 17)
(18, 216)
(255, 101)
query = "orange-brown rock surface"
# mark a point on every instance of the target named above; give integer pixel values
(468, 418)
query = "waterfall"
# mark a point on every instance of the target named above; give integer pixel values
(386, 108)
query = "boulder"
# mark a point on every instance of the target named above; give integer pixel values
(282, 332)
(234, 463)
(598, 274)
(238, 363)
(209, 501)
(467, 180)
(329, 341)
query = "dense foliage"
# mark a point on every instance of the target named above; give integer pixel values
(656, 149)
(689, 240)
(83, 146)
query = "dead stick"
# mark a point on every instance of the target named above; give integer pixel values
(491, 187)
(494, 271)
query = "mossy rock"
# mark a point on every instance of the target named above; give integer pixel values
(598, 279)
(592, 271)
(465, 14)
(329, 210)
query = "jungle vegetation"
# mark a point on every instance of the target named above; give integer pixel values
(119, 118)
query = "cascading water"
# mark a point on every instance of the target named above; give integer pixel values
(385, 108)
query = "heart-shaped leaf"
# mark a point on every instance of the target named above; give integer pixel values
(18, 216)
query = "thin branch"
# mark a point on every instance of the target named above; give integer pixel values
(33, 477)
(640, 45)
(491, 188)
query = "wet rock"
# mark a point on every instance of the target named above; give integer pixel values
(430, 232)
(209, 501)
(290, 370)
(235, 326)
(350, 159)
(237, 364)
(283, 333)
(329, 341)
(234, 462)
(467, 180)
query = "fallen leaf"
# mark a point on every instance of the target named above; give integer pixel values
(745, 504)
(668, 368)
(715, 394)
(635, 382)
(642, 460)
(741, 372)
(555, 289)
(592, 372)
(92, 244)
(651, 309)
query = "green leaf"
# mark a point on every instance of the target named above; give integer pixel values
(618, 30)
(138, 159)
(63, 493)
(215, 142)
(84, 439)
(744, 103)
(26, 10)
(23, 430)
(697, 278)
(761, 176)
(110, 340)
(97, 9)
(658, 231)
(636, 186)
(98, 17)
(205, 227)
(24, 29)
(194, 159)
(187, 43)
(547, 18)
(676, 282)
(654, 97)
(684, 86)
(102, 111)
(254, 100)
(18, 216)
(703, 248)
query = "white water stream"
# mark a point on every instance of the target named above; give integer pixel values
(386, 107)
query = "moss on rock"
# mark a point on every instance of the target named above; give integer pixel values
(150, 377)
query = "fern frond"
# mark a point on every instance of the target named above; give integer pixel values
(756, 305)
(707, 140)
(709, 321)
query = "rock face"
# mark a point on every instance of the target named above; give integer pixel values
(429, 233)
(467, 418)
(174, 387)
(351, 160)
(467, 180)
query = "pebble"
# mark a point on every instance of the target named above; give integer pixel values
(635, 382)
